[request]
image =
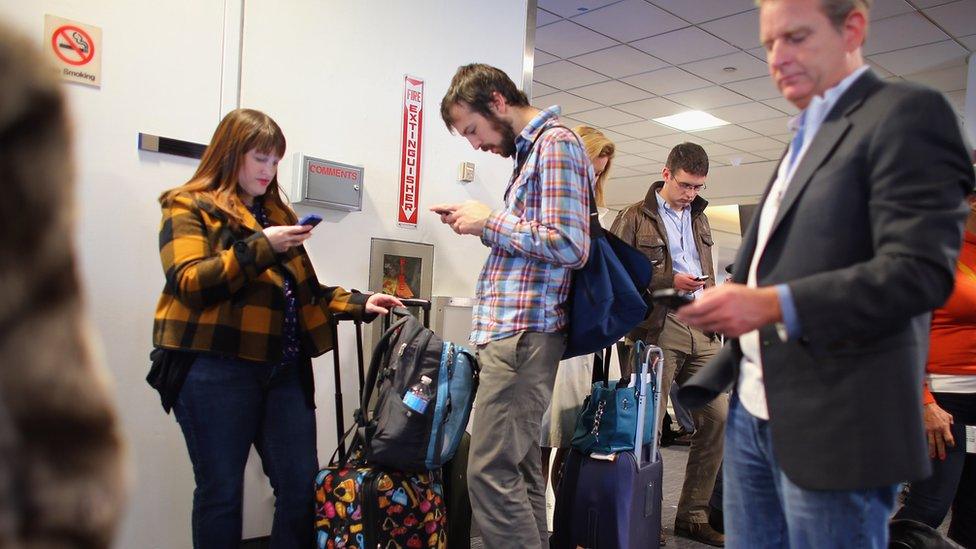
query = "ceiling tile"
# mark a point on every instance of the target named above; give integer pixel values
(726, 133)
(739, 158)
(629, 20)
(541, 58)
(563, 75)
(570, 122)
(881, 9)
(567, 39)
(773, 126)
(611, 93)
(715, 149)
(543, 17)
(755, 88)
(771, 154)
(878, 69)
(969, 41)
(708, 98)
(783, 138)
(623, 171)
(642, 148)
(655, 107)
(945, 80)
(570, 103)
(614, 136)
(658, 156)
(759, 53)
(704, 10)
(619, 61)
(922, 4)
(569, 8)
(605, 116)
(901, 31)
(669, 141)
(683, 46)
(665, 81)
(745, 65)
(740, 30)
(754, 144)
(626, 160)
(643, 129)
(540, 89)
(921, 58)
(958, 100)
(958, 18)
(782, 104)
(746, 112)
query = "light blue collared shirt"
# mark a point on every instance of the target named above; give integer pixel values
(681, 238)
(813, 117)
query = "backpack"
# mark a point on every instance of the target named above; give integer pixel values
(395, 436)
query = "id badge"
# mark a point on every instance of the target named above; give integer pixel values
(971, 439)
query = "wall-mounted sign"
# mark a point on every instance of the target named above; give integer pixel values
(75, 48)
(328, 184)
(413, 131)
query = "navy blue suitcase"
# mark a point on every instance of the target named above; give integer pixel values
(612, 504)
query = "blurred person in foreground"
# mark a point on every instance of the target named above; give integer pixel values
(62, 471)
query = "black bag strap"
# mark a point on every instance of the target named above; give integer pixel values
(375, 363)
(596, 230)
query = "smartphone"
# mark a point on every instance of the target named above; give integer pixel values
(310, 219)
(441, 211)
(671, 298)
(701, 278)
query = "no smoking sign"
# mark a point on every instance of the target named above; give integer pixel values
(75, 48)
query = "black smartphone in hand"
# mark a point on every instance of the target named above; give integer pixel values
(310, 219)
(671, 298)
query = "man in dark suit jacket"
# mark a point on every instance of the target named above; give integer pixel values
(853, 243)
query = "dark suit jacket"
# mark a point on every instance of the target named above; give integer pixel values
(866, 238)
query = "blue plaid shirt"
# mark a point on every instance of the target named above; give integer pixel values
(537, 239)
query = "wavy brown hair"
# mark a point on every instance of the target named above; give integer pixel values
(242, 130)
(597, 145)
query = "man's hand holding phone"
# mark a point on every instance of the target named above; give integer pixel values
(685, 282)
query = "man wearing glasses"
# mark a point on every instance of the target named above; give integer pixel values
(670, 227)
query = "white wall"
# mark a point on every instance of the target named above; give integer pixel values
(331, 74)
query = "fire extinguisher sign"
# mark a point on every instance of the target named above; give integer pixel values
(412, 139)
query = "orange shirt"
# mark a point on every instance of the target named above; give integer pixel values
(952, 344)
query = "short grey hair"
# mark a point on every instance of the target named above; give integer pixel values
(838, 10)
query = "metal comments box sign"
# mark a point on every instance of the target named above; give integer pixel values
(328, 184)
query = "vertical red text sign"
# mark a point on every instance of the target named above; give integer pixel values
(412, 138)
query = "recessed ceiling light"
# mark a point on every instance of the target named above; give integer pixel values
(690, 121)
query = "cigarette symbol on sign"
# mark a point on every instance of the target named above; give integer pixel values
(82, 44)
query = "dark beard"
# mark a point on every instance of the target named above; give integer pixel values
(508, 135)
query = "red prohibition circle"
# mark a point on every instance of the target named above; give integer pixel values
(62, 31)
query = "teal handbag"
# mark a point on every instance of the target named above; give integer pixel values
(607, 422)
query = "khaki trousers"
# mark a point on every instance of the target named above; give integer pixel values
(508, 498)
(686, 350)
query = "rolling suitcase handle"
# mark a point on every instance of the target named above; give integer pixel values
(336, 372)
(656, 368)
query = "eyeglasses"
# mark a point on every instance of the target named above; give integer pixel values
(689, 186)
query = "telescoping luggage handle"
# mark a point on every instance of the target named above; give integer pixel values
(651, 358)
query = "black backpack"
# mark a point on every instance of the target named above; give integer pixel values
(392, 434)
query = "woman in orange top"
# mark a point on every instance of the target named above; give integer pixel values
(950, 405)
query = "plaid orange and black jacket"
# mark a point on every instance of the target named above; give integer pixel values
(224, 291)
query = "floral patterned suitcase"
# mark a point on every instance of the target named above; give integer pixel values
(358, 506)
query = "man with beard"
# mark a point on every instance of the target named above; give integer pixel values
(536, 239)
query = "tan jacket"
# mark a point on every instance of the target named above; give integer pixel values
(641, 226)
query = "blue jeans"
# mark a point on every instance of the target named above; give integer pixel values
(763, 508)
(953, 480)
(224, 407)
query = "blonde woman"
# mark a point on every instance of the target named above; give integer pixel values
(574, 375)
